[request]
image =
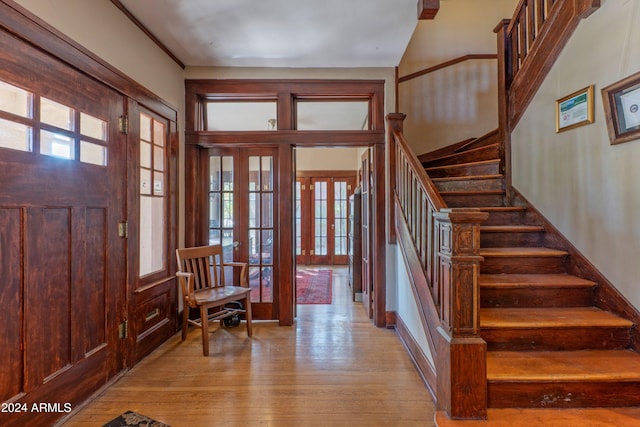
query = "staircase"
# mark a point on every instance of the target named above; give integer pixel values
(548, 344)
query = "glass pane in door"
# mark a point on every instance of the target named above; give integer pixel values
(260, 230)
(340, 200)
(298, 218)
(221, 204)
(320, 217)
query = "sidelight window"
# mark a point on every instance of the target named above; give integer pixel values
(153, 195)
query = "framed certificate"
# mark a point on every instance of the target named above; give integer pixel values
(622, 106)
(574, 110)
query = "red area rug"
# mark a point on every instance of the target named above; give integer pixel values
(313, 286)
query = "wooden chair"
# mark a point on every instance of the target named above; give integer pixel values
(202, 279)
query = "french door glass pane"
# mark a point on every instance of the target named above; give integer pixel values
(221, 204)
(340, 218)
(298, 218)
(261, 227)
(320, 220)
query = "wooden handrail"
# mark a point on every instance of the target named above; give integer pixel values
(446, 64)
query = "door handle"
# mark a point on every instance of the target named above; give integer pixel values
(236, 245)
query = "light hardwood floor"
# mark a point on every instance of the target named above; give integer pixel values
(332, 368)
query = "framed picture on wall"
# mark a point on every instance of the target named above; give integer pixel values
(575, 110)
(622, 107)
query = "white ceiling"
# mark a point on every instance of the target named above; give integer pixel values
(281, 33)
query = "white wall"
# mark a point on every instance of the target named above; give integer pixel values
(586, 187)
(460, 101)
(328, 159)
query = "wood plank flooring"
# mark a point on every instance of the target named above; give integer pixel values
(332, 368)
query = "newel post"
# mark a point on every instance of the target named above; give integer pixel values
(461, 360)
(396, 124)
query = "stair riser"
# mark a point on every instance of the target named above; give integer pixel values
(536, 297)
(458, 201)
(563, 394)
(497, 240)
(510, 218)
(517, 265)
(484, 153)
(556, 339)
(470, 185)
(492, 168)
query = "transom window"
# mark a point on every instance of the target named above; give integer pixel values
(60, 130)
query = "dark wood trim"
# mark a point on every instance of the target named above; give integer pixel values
(326, 174)
(148, 33)
(309, 138)
(378, 235)
(396, 83)
(428, 9)
(420, 360)
(446, 64)
(607, 297)
(286, 139)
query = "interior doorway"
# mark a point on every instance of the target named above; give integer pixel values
(325, 180)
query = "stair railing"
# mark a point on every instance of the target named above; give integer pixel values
(528, 46)
(446, 242)
(530, 43)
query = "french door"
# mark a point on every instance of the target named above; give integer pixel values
(243, 216)
(322, 219)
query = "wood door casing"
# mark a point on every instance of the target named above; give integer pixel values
(286, 138)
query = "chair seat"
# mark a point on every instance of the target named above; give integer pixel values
(221, 295)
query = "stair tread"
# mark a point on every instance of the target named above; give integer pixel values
(471, 192)
(553, 366)
(522, 252)
(533, 280)
(511, 228)
(457, 154)
(467, 178)
(502, 208)
(462, 165)
(565, 317)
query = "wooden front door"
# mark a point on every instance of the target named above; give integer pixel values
(62, 261)
(243, 217)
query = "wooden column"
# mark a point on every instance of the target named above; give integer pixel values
(461, 361)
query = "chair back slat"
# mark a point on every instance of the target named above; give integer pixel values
(202, 261)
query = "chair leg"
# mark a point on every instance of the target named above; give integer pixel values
(248, 315)
(204, 320)
(185, 323)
